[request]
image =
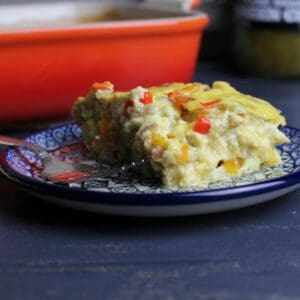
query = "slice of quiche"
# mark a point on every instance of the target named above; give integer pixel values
(189, 133)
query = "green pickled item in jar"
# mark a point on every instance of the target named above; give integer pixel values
(267, 37)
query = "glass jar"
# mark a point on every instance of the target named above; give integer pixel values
(267, 37)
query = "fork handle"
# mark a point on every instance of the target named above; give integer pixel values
(8, 141)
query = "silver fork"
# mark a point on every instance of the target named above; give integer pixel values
(56, 170)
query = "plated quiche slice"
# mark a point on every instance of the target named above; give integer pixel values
(189, 133)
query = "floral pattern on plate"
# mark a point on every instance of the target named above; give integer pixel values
(65, 143)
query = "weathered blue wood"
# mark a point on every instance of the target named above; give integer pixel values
(48, 252)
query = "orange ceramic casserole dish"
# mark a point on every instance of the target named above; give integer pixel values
(48, 61)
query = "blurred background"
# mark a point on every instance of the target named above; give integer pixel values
(218, 31)
(259, 39)
(231, 31)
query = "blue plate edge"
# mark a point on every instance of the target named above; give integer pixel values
(175, 198)
(216, 195)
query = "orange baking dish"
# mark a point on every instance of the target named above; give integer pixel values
(44, 67)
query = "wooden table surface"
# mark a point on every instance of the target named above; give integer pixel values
(49, 252)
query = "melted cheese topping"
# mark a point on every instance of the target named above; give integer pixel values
(200, 93)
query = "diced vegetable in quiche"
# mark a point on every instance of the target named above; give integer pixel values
(189, 133)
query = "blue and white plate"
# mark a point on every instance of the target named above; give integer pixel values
(127, 194)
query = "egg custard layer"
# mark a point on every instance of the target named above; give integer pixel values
(189, 133)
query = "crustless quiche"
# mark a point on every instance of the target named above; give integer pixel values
(189, 133)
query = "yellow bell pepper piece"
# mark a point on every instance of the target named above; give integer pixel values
(184, 155)
(159, 141)
(232, 166)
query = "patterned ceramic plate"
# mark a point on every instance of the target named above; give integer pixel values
(127, 194)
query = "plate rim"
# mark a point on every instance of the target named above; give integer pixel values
(154, 199)
(170, 198)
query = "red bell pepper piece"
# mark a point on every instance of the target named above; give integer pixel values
(211, 103)
(147, 98)
(178, 98)
(202, 125)
(102, 86)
